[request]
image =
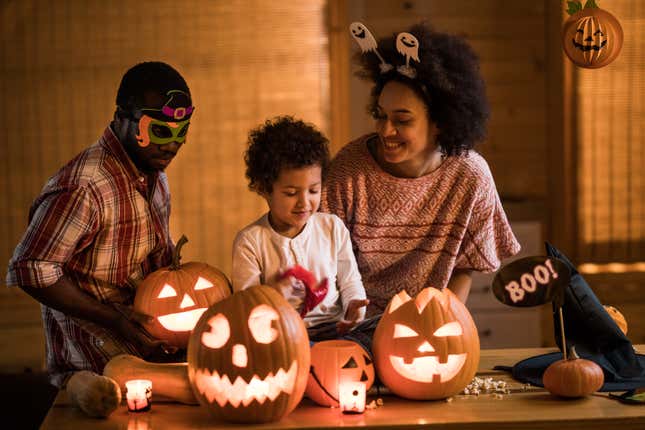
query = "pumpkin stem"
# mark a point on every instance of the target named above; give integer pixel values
(574, 6)
(573, 355)
(176, 255)
(591, 4)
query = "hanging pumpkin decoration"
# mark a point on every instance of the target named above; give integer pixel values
(249, 357)
(618, 318)
(334, 362)
(591, 37)
(177, 295)
(428, 347)
(573, 377)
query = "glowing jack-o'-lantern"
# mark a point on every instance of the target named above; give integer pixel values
(334, 362)
(427, 347)
(249, 357)
(177, 295)
(592, 37)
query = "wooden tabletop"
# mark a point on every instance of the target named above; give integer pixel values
(523, 408)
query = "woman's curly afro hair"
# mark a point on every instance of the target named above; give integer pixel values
(283, 143)
(448, 80)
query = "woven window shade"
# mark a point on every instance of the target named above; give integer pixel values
(611, 148)
(245, 61)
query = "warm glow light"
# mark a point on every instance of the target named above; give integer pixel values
(450, 329)
(239, 359)
(260, 321)
(402, 330)
(424, 369)
(186, 302)
(351, 397)
(181, 321)
(216, 387)
(590, 268)
(138, 394)
(167, 291)
(219, 332)
(203, 284)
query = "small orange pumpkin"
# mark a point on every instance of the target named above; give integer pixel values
(428, 347)
(618, 318)
(177, 295)
(249, 357)
(573, 377)
(334, 362)
(592, 37)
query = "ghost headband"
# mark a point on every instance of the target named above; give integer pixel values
(406, 44)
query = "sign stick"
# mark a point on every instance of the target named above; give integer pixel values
(564, 341)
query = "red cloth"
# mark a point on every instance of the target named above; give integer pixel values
(314, 292)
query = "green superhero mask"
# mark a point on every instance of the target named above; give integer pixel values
(161, 132)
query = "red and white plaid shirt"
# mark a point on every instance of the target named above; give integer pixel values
(96, 223)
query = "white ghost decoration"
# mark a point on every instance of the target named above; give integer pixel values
(407, 45)
(367, 43)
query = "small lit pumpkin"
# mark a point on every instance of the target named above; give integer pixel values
(428, 347)
(334, 362)
(592, 37)
(249, 357)
(573, 377)
(618, 318)
(177, 295)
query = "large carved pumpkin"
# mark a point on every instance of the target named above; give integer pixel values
(334, 362)
(249, 357)
(427, 347)
(177, 295)
(592, 37)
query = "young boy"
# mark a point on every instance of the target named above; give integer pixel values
(294, 248)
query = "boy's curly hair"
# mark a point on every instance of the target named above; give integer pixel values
(280, 143)
(448, 81)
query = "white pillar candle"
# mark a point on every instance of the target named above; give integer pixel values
(138, 395)
(352, 397)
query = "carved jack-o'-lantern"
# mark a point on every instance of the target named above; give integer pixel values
(334, 362)
(427, 347)
(592, 37)
(249, 357)
(177, 295)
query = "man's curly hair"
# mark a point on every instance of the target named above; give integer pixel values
(448, 80)
(283, 143)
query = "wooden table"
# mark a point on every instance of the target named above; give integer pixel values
(523, 408)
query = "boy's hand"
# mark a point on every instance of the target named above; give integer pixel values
(352, 315)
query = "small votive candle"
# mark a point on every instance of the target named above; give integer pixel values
(352, 397)
(138, 395)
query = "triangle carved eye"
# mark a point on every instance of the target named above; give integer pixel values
(203, 284)
(167, 291)
(401, 330)
(351, 364)
(450, 329)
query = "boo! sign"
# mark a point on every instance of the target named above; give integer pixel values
(531, 281)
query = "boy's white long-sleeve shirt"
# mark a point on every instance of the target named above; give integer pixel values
(323, 247)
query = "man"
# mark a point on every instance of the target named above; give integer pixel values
(100, 225)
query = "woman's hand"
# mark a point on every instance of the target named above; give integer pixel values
(353, 315)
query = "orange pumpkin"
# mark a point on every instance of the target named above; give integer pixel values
(573, 377)
(334, 362)
(592, 37)
(428, 347)
(177, 295)
(249, 357)
(618, 318)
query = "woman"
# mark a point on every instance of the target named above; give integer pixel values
(420, 203)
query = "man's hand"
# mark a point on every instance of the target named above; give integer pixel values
(131, 327)
(352, 315)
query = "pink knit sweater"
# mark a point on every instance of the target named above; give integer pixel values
(412, 233)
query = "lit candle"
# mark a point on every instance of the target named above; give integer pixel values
(138, 395)
(352, 397)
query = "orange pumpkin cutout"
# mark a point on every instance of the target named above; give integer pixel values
(249, 357)
(618, 318)
(177, 295)
(428, 347)
(592, 38)
(334, 362)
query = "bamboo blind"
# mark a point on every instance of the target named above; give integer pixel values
(245, 61)
(611, 148)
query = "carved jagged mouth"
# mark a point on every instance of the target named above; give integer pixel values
(589, 47)
(220, 389)
(423, 369)
(181, 321)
